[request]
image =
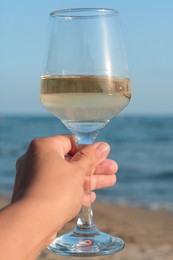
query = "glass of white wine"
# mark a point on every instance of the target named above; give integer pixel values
(85, 83)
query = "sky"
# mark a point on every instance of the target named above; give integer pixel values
(148, 34)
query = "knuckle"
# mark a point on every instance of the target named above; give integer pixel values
(18, 162)
(88, 159)
(34, 144)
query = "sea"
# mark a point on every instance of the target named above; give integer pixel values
(141, 145)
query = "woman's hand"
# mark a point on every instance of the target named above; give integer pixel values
(50, 185)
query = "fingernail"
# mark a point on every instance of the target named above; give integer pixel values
(102, 150)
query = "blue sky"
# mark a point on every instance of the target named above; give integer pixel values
(148, 34)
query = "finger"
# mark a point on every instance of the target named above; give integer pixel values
(107, 167)
(89, 198)
(102, 181)
(64, 144)
(18, 178)
(90, 156)
(19, 163)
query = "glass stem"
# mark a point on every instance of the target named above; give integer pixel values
(85, 219)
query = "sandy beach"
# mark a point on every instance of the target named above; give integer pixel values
(148, 234)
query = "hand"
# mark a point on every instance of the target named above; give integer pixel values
(50, 184)
(48, 192)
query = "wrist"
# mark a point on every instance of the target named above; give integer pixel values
(25, 230)
(38, 219)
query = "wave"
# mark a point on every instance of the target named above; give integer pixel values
(164, 176)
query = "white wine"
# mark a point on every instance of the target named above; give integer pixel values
(84, 99)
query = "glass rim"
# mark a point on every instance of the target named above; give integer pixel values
(73, 13)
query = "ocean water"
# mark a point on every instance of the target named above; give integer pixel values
(142, 146)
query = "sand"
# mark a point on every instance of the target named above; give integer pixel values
(148, 234)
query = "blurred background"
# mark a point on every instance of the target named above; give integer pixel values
(141, 138)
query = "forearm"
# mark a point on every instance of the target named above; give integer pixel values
(23, 233)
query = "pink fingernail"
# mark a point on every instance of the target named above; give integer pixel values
(102, 150)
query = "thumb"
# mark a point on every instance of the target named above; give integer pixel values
(90, 156)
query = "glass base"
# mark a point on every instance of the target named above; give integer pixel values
(86, 243)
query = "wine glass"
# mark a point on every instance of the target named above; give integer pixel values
(85, 83)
